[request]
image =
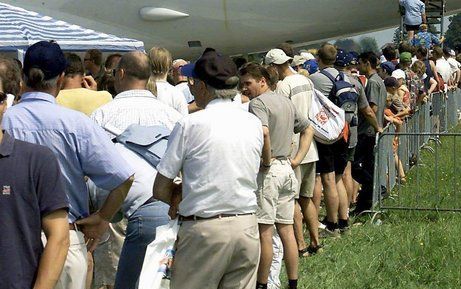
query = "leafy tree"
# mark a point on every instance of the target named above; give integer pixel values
(369, 44)
(348, 44)
(453, 34)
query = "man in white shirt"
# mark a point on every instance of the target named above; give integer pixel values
(442, 65)
(218, 151)
(299, 89)
(454, 65)
(136, 105)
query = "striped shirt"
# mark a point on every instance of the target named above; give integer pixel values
(135, 107)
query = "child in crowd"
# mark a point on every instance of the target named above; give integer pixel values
(397, 107)
(402, 91)
(419, 68)
(392, 102)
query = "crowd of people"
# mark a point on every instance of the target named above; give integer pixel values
(242, 170)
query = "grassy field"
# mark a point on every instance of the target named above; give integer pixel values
(406, 249)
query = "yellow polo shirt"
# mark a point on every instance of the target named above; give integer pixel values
(82, 99)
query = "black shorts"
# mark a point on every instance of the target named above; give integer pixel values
(350, 154)
(412, 27)
(332, 158)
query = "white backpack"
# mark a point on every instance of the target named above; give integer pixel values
(326, 118)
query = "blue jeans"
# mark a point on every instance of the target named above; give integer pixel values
(140, 232)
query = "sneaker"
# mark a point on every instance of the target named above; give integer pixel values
(322, 226)
(330, 233)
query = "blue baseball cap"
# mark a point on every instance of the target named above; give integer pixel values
(47, 56)
(341, 58)
(353, 58)
(311, 66)
(388, 66)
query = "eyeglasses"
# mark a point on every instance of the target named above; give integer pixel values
(3, 97)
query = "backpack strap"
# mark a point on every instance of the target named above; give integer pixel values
(332, 93)
(327, 74)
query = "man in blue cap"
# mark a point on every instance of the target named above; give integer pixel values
(218, 150)
(344, 63)
(82, 148)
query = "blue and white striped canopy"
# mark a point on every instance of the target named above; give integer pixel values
(20, 28)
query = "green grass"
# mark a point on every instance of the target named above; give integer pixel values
(409, 249)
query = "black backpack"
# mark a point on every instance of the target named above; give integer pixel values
(343, 93)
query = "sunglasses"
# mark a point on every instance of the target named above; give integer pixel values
(3, 97)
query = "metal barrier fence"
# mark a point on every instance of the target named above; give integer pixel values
(423, 141)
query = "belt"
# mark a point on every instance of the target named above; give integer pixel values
(280, 158)
(197, 218)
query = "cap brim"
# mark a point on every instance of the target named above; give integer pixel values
(189, 70)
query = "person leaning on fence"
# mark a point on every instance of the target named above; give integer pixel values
(397, 106)
(136, 105)
(431, 70)
(397, 122)
(415, 84)
(218, 150)
(363, 166)
(82, 149)
(442, 65)
(419, 68)
(454, 65)
(402, 91)
(277, 182)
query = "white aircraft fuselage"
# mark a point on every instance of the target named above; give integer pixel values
(231, 26)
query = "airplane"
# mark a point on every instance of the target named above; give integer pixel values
(186, 27)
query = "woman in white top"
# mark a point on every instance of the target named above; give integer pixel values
(161, 63)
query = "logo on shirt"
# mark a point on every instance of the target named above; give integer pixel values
(6, 191)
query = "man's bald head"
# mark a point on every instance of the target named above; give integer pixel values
(136, 65)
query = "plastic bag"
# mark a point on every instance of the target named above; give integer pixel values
(155, 273)
(327, 119)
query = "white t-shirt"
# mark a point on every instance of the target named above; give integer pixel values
(299, 89)
(444, 68)
(171, 96)
(218, 150)
(454, 65)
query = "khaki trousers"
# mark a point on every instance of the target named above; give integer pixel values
(217, 253)
(73, 274)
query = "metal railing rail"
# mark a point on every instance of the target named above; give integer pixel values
(426, 130)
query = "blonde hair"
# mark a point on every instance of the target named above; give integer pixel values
(161, 61)
(152, 85)
(419, 67)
